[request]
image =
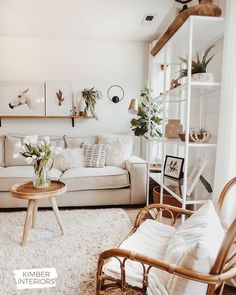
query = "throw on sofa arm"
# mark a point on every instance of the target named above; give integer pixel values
(137, 168)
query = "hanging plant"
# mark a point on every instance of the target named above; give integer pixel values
(91, 97)
(140, 125)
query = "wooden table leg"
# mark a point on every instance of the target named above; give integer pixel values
(34, 219)
(56, 211)
(27, 222)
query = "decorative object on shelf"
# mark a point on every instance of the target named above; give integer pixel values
(199, 68)
(41, 153)
(82, 107)
(91, 97)
(174, 83)
(59, 98)
(195, 174)
(115, 93)
(140, 126)
(155, 166)
(173, 166)
(133, 106)
(201, 136)
(173, 128)
(22, 98)
(205, 8)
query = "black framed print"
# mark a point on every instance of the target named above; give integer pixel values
(173, 166)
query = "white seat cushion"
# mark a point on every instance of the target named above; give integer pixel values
(12, 175)
(87, 178)
(151, 239)
(194, 246)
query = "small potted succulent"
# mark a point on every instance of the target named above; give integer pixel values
(91, 96)
(199, 68)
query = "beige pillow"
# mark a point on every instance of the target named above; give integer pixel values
(119, 148)
(194, 246)
(11, 149)
(2, 162)
(77, 142)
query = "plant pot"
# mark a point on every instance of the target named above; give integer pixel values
(173, 128)
(199, 77)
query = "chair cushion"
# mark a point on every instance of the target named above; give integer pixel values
(12, 175)
(11, 149)
(151, 239)
(86, 178)
(194, 246)
(2, 162)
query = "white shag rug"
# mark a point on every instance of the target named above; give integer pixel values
(74, 255)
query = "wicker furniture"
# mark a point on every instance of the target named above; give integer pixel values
(28, 192)
(224, 267)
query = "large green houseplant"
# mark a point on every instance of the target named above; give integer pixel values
(149, 114)
(91, 96)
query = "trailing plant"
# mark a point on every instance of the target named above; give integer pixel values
(199, 65)
(91, 96)
(140, 125)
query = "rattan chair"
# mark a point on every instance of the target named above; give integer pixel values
(224, 267)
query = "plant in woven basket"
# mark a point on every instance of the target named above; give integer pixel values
(91, 96)
(140, 125)
(199, 65)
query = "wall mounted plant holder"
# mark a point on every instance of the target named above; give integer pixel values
(115, 93)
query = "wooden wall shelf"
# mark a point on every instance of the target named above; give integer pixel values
(46, 117)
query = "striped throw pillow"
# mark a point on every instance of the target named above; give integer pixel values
(94, 155)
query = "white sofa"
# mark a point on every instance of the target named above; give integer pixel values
(109, 185)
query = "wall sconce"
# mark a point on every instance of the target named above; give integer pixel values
(133, 106)
(115, 93)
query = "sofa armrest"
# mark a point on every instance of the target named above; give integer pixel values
(137, 168)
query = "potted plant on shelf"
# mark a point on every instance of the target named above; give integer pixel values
(91, 96)
(140, 125)
(199, 68)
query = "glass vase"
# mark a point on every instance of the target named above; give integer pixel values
(42, 179)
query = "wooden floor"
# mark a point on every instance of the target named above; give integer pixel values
(132, 214)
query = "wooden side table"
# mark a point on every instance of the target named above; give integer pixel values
(26, 191)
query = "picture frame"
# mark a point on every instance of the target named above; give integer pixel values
(195, 174)
(173, 167)
(22, 98)
(59, 98)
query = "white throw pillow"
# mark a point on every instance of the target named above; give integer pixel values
(2, 140)
(119, 148)
(69, 158)
(194, 246)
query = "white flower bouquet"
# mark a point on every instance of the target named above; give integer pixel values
(41, 154)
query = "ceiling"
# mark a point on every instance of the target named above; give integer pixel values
(82, 19)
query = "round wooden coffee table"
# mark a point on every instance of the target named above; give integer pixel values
(26, 191)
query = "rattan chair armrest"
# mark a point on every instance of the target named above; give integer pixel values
(143, 211)
(170, 268)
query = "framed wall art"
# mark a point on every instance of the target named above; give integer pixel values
(59, 98)
(22, 98)
(173, 166)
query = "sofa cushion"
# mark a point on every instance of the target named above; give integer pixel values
(93, 178)
(119, 148)
(151, 239)
(2, 140)
(69, 158)
(11, 149)
(194, 246)
(77, 142)
(12, 175)
(94, 155)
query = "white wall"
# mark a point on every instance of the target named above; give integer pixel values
(86, 64)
